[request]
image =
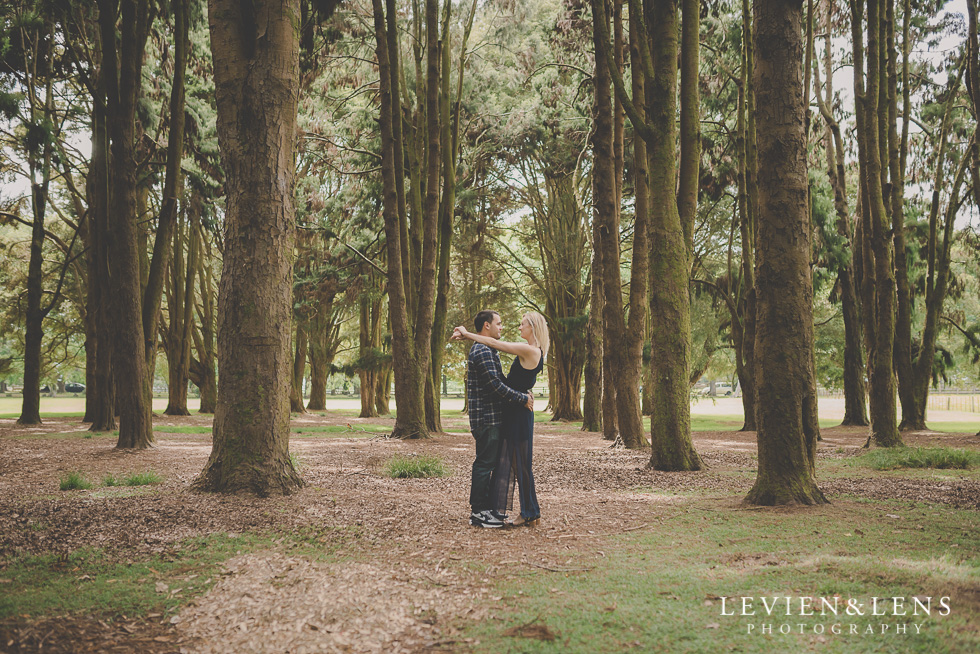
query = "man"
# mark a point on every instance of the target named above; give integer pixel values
(486, 393)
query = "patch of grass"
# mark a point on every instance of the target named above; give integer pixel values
(296, 461)
(91, 581)
(955, 427)
(46, 414)
(659, 589)
(74, 481)
(352, 430)
(731, 422)
(142, 479)
(189, 429)
(894, 458)
(413, 467)
(110, 480)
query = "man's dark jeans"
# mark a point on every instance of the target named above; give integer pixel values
(487, 449)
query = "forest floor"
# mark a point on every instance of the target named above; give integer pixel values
(360, 562)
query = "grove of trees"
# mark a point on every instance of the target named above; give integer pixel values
(274, 194)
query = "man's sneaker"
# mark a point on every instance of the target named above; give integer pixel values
(485, 519)
(498, 515)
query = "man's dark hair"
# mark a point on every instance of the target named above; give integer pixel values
(483, 318)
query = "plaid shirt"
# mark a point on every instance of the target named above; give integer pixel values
(485, 387)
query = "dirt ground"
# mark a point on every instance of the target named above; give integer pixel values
(418, 571)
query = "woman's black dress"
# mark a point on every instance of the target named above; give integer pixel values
(514, 463)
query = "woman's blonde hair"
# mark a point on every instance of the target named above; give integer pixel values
(540, 330)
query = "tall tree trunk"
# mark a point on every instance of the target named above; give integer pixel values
(855, 390)
(202, 369)
(367, 353)
(784, 334)
(324, 341)
(299, 370)
(606, 217)
(123, 75)
(884, 423)
(181, 317)
(670, 235)
(167, 222)
(749, 226)
(41, 115)
(565, 375)
(411, 330)
(592, 405)
(256, 61)
(100, 395)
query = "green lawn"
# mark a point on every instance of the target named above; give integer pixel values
(659, 589)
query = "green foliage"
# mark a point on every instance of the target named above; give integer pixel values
(74, 481)
(896, 458)
(110, 480)
(142, 479)
(412, 467)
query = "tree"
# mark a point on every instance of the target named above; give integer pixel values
(122, 66)
(256, 62)
(784, 332)
(411, 289)
(855, 389)
(878, 280)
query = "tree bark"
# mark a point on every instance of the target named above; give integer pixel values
(182, 315)
(299, 370)
(202, 369)
(256, 61)
(33, 329)
(411, 329)
(884, 427)
(592, 406)
(855, 390)
(100, 394)
(784, 336)
(122, 70)
(670, 257)
(167, 221)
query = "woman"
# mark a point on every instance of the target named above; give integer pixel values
(514, 463)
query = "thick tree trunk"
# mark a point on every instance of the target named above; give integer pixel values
(324, 340)
(100, 395)
(592, 409)
(784, 335)
(256, 62)
(565, 374)
(670, 307)
(123, 76)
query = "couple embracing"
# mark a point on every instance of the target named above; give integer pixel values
(502, 417)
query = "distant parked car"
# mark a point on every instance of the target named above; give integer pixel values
(722, 389)
(74, 387)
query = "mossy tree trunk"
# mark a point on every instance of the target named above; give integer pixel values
(411, 289)
(878, 245)
(784, 333)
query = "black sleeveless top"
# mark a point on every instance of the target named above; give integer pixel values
(520, 378)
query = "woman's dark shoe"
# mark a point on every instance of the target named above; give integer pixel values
(521, 521)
